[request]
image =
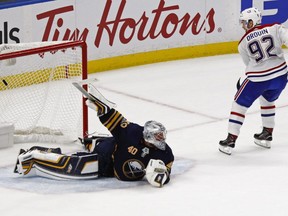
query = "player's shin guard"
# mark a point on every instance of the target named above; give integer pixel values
(226, 146)
(264, 138)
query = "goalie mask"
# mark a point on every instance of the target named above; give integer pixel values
(248, 15)
(155, 134)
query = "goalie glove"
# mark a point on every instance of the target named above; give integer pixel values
(97, 105)
(156, 173)
(98, 101)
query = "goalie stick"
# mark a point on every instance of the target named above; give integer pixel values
(90, 97)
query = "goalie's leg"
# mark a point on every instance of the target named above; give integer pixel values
(57, 166)
(40, 148)
(16, 168)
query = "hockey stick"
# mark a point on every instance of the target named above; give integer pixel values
(87, 81)
(91, 97)
(83, 91)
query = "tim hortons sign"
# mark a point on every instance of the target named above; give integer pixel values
(162, 21)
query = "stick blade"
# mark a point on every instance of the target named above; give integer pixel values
(96, 94)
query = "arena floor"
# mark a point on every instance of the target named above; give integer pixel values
(192, 98)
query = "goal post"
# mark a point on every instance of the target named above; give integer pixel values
(36, 91)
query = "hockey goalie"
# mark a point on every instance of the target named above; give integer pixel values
(132, 153)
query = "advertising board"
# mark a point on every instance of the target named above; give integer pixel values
(181, 28)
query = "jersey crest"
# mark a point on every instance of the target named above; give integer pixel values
(133, 169)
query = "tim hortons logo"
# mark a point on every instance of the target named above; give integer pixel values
(128, 28)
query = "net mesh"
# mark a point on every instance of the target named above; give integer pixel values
(37, 94)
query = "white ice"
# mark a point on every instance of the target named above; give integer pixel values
(193, 99)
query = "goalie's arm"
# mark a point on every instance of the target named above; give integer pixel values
(115, 122)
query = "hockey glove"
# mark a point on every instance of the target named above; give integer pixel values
(156, 173)
(100, 107)
(239, 82)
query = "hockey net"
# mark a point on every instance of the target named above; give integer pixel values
(36, 91)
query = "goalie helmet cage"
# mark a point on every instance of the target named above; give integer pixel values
(36, 91)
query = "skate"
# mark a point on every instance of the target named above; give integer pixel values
(264, 138)
(226, 146)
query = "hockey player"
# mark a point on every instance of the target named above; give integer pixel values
(266, 77)
(133, 152)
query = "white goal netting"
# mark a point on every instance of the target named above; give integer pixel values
(36, 91)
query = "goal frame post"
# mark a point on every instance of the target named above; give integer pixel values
(55, 47)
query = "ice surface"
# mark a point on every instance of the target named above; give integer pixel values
(192, 98)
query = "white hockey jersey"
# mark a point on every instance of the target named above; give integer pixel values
(261, 51)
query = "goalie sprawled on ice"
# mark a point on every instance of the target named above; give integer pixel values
(132, 153)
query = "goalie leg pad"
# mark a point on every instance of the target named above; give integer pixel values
(58, 166)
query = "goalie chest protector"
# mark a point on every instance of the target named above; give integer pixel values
(6, 135)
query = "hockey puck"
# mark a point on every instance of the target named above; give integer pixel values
(5, 83)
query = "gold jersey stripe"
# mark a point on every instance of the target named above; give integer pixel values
(101, 106)
(113, 121)
(107, 122)
(116, 123)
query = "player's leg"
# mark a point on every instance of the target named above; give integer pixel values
(236, 119)
(247, 93)
(267, 104)
(35, 162)
(104, 147)
(264, 138)
(40, 148)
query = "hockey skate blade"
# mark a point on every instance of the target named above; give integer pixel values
(225, 149)
(263, 143)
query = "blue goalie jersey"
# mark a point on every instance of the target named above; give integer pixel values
(130, 155)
